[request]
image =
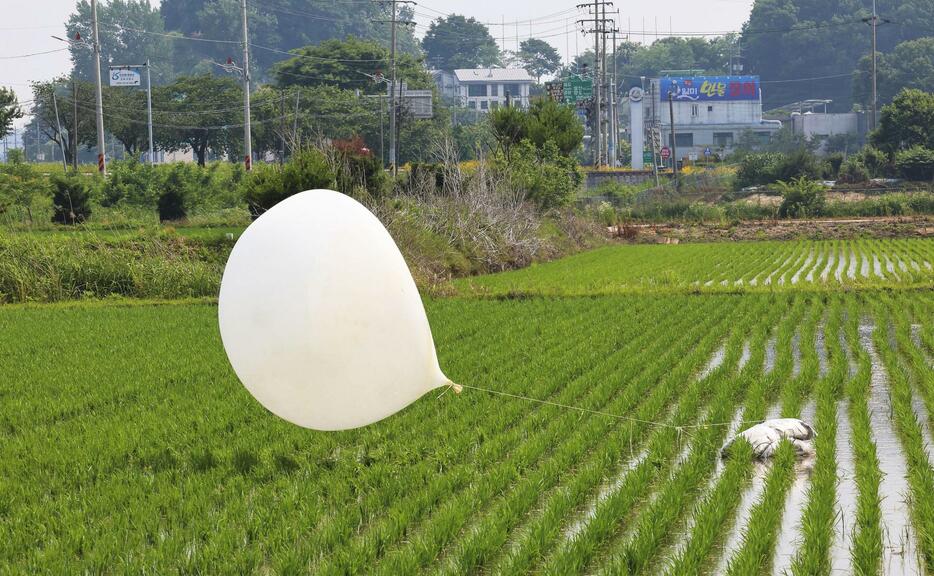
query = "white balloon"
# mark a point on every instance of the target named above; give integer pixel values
(320, 317)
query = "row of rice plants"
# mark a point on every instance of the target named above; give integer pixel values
(431, 540)
(820, 515)
(761, 532)
(658, 521)
(361, 548)
(547, 526)
(867, 539)
(494, 527)
(712, 514)
(113, 445)
(608, 518)
(920, 471)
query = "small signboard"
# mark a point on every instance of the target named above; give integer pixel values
(707, 151)
(577, 89)
(666, 152)
(646, 156)
(125, 77)
(555, 91)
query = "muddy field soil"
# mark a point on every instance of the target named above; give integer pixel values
(813, 229)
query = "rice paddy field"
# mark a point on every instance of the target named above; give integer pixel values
(127, 445)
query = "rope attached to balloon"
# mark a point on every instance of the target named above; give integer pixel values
(459, 387)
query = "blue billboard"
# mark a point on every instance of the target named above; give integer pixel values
(710, 88)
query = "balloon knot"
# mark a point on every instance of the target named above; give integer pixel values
(457, 388)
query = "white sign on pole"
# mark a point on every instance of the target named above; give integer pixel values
(125, 77)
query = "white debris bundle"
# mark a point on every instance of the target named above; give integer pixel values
(766, 437)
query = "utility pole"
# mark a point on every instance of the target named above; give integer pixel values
(58, 124)
(599, 74)
(674, 149)
(74, 123)
(149, 109)
(875, 100)
(247, 137)
(101, 150)
(393, 104)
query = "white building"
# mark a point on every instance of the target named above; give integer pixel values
(710, 112)
(822, 125)
(485, 89)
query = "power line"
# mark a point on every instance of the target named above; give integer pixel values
(33, 54)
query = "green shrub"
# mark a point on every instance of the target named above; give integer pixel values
(801, 198)
(71, 199)
(21, 186)
(798, 164)
(853, 171)
(915, 163)
(756, 168)
(543, 176)
(875, 161)
(130, 182)
(834, 162)
(269, 184)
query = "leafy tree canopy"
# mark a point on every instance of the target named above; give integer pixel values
(539, 58)
(277, 26)
(203, 113)
(908, 121)
(9, 110)
(909, 65)
(458, 42)
(130, 33)
(349, 64)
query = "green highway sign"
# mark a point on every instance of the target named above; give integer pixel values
(577, 89)
(647, 157)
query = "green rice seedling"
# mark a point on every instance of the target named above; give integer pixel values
(760, 534)
(867, 540)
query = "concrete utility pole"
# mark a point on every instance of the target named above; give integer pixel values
(393, 102)
(247, 136)
(74, 122)
(875, 100)
(599, 74)
(101, 146)
(392, 93)
(149, 109)
(674, 148)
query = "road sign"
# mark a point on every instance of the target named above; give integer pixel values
(555, 91)
(125, 77)
(577, 89)
(707, 151)
(666, 152)
(647, 157)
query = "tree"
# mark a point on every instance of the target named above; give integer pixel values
(203, 113)
(909, 65)
(9, 110)
(349, 64)
(539, 58)
(552, 122)
(509, 126)
(127, 118)
(282, 25)
(908, 121)
(457, 42)
(43, 110)
(131, 32)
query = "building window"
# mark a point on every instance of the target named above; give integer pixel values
(693, 109)
(514, 90)
(476, 90)
(472, 104)
(683, 139)
(710, 108)
(494, 104)
(484, 104)
(723, 139)
(763, 137)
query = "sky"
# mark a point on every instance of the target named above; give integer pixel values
(27, 28)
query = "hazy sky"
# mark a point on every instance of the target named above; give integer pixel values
(27, 27)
